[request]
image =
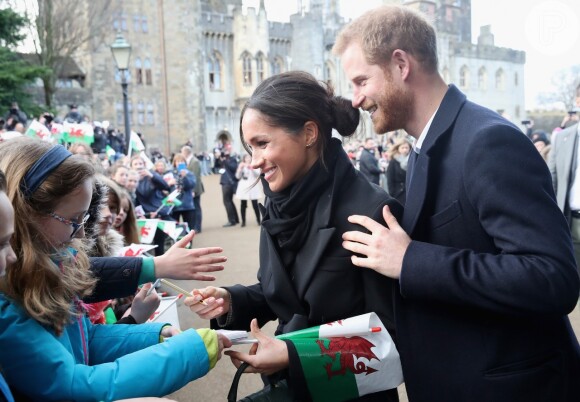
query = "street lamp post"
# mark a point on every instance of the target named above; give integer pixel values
(122, 53)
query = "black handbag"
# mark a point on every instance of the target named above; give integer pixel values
(278, 392)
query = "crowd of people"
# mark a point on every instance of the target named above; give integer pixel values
(455, 235)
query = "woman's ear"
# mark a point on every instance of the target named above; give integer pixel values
(310, 133)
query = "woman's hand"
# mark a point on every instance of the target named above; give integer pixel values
(144, 306)
(217, 302)
(182, 263)
(268, 356)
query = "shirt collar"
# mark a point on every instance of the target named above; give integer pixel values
(419, 143)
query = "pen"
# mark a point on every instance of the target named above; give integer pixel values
(152, 288)
(175, 287)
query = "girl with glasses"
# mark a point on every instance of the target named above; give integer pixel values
(44, 332)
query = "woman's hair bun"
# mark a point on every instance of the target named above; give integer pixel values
(345, 118)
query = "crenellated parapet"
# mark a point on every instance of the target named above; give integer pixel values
(486, 52)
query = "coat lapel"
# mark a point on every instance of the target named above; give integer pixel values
(320, 234)
(276, 282)
(442, 123)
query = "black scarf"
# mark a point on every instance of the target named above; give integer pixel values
(288, 213)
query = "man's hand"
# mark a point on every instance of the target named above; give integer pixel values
(384, 248)
(182, 263)
(268, 356)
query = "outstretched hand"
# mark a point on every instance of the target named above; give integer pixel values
(268, 356)
(383, 249)
(180, 262)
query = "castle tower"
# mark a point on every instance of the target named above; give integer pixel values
(307, 52)
(251, 50)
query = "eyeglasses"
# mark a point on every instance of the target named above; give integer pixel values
(76, 226)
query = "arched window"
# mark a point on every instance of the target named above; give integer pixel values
(247, 69)
(482, 79)
(117, 75)
(260, 67)
(276, 66)
(516, 79)
(500, 80)
(144, 26)
(150, 114)
(138, 71)
(137, 23)
(148, 73)
(214, 68)
(140, 113)
(464, 77)
(123, 22)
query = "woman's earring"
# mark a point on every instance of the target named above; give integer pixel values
(309, 145)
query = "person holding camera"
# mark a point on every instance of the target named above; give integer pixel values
(185, 183)
(249, 188)
(17, 116)
(563, 164)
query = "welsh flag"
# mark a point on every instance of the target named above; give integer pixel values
(39, 131)
(135, 250)
(147, 228)
(348, 358)
(171, 200)
(57, 131)
(78, 133)
(170, 228)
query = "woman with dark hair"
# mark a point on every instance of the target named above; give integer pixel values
(311, 188)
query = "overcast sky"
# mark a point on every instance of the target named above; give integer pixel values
(548, 31)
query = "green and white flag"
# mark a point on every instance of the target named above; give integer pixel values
(136, 142)
(170, 228)
(110, 151)
(348, 358)
(147, 228)
(75, 133)
(39, 131)
(171, 200)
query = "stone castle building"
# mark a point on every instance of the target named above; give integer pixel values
(195, 63)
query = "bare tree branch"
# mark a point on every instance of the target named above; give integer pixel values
(60, 28)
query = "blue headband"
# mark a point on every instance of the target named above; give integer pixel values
(42, 168)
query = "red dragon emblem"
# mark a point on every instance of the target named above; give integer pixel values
(144, 231)
(347, 349)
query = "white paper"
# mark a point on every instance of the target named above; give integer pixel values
(237, 337)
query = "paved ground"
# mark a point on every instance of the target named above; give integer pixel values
(241, 247)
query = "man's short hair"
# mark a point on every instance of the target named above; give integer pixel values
(384, 29)
(187, 149)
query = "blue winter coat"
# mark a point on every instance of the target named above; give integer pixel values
(150, 193)
(95, 362)
(185, 185)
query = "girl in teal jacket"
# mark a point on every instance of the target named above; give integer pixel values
(50, 350)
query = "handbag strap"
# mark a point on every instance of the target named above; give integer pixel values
(233, 394)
